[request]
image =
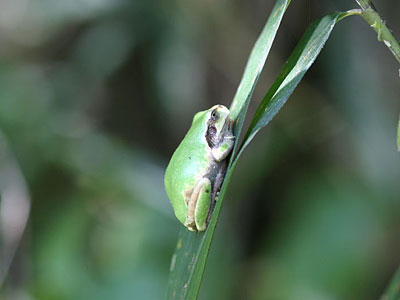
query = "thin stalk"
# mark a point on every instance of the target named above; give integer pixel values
(398, 136)
(385, 35)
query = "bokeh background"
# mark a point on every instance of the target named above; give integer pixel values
(96, 94)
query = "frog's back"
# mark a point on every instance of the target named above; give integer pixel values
(187, 165)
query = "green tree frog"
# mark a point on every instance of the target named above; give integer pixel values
(197, 168)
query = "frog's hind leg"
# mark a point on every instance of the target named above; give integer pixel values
(199, 205)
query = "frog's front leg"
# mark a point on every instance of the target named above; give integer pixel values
(221, 151)
(199, 205)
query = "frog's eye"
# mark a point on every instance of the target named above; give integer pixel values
(214, 115)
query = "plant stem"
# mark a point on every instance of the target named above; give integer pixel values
(398, 136)
(372, 17)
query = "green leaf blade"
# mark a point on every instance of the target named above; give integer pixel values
(392, 292)
(255, 64)
(189, 260)
(398, 136)
(292, 72)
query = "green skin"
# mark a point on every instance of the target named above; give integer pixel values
(196, 169)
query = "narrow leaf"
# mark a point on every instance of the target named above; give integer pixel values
(189, 260)
(292, 72)
(398, 136)
(393, 290)
(257, 59)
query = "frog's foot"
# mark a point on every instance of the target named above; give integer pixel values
(199, 205)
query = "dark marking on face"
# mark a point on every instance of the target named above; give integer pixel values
(207, 191)
(212, 130)
(210, 135)
(190, 157)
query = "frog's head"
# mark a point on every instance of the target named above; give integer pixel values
(219, 123)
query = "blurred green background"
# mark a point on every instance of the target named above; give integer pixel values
(96, 94)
